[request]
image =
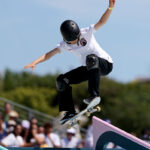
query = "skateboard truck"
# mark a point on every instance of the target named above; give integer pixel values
(92, 110)
(73, 123)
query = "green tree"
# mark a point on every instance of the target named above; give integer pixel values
(126, 104)
(1, 82)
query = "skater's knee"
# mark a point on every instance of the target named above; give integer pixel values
(92, 62)
(61, 83)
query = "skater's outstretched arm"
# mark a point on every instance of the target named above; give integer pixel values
(106, 15)
(43, 58)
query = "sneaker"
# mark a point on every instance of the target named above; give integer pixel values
(67, 116)
(89, 100)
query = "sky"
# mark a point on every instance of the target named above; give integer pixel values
(30, 28)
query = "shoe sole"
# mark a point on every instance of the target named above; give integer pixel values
(85, 102)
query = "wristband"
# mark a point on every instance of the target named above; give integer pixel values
(110, 8)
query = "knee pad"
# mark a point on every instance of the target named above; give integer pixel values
(62, 83)
(92, 62)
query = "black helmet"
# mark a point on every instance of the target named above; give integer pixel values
(69, 30)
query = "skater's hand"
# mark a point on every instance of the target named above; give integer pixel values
(32, 66)
(112, 3)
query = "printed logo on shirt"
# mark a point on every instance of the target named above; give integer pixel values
(83, 41)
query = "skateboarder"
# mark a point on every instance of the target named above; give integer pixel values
(95, 61)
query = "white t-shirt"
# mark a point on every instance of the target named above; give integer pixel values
(70, 144)
(41, 135)
(13, 141)
(87, 45)
(55, 139)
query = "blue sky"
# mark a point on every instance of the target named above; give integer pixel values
(30, 28)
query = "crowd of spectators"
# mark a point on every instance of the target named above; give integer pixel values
(28, 133)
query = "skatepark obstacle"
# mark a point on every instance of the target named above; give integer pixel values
(3, 148)
(104, 133)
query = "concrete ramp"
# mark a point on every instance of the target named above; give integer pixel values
(104, 132)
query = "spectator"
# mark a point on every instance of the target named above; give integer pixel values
(30, 137)
(51, 139)
(146, 135)
(81, 144)
(11, 126)
(25, 131)
(3, 133)
(4, 125)
(89, 137)
(13, 116)
(34, 121)
(25, 124)
(13, 139)
(35, 139)
(70, 141)
(107, 120)
(40, 130)
(7, 110)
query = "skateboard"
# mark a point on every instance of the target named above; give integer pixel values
(91, 108)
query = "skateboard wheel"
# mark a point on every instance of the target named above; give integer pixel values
(98, 108)
(88, 114)
(79, 121)
(69, 126)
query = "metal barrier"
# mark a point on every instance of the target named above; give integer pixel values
(26, 112)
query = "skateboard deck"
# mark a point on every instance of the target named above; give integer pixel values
(91, 108)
